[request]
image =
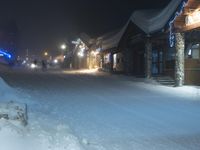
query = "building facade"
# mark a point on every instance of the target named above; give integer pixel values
(158, 43)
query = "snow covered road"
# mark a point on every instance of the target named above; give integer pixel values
(108, 112)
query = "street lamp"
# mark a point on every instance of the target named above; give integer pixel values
(55, 61)
(63, 46)
(45, 53)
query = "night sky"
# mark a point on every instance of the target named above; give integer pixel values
(46, 24)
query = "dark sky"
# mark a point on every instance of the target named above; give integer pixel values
(45, 24)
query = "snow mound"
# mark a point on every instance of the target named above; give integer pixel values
(38, 134)
(36, 138)
(3, 85)
(6, 92)
(14, 112)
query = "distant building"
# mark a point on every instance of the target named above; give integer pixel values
(83, 54)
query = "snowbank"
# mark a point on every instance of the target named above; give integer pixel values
(6, 92)
(3, 85)
(34, 137)
(40, 133)
(192, 92)
(14, 112)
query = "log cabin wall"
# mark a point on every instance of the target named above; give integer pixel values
(107, 60)
(192, 56)
(132, 49)
(192, 71)
(125, 50)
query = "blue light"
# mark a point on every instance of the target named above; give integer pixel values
(9, 56)
(171, 21)
(6, 54)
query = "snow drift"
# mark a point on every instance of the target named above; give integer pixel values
(40, 133)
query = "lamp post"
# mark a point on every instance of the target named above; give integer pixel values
(63, 48)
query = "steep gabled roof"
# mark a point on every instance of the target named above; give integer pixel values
(113, 40)
(86, 39)
(149, 21)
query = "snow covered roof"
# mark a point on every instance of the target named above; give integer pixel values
(153, 20)
(86, 39)
(112, 40)
(148, 21)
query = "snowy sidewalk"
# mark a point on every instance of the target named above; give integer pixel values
(192, 92)
(94, 111)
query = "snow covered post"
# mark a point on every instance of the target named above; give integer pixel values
(148, 52)
(179, 59)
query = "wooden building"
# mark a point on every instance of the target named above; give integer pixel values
(157, 43)
(84, 54)
(172, 41)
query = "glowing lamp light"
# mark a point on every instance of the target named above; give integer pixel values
(94, 53)
(55, 61)
(33, 66)
(81, 46)
(80, 54)
(46, 54)
(24, 62)
(190, 52)
(5, 54)
(9, 56)
(63, 46)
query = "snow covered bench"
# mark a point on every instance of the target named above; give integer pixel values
(14, 112)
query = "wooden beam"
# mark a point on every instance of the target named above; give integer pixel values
(180, 20)
(191, 27)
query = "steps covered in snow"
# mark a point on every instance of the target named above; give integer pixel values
(165, 80)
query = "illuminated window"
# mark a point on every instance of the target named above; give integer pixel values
(107, 58)
(190, 52)
(193, 52)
